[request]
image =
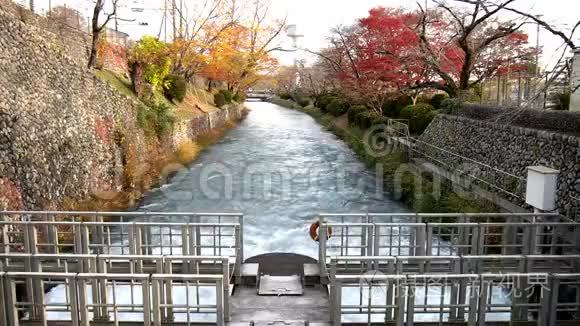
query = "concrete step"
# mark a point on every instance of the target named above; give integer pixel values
(280, 285)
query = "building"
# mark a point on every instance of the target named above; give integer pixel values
(116, 37)
(575, 82)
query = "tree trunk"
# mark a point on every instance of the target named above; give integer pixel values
(93, 55)
(96, 31)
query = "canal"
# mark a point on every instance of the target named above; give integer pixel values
(279, 168)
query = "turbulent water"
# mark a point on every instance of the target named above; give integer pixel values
(280, 168)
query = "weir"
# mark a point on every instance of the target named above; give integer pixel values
(393, 269)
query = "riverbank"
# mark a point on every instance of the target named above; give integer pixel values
(163, 162)
(405, 181)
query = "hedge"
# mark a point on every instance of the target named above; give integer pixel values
(392, 108)
(219, 100)
(557, 121)
(176, 88)
(337, 107)
(324, 101)
(419, 116)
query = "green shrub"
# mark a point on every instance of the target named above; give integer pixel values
(151, 54)
(392, 108)
(285, 96)
(419, 117)
(562, 100)
(240, 96)
(175, 87)
(219, 99)
(450, 106)
(303, 102)
(228, 95)
(367, 118)
(155, 119)
(353, 111)
(324, 101)
(337, 107)
(437, 100)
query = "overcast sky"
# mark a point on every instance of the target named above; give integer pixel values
(315, 18)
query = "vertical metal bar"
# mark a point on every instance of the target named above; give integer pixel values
(82, 297)
(544, 310)
(364, 236)
(475, 287)
(168, 292)
(11, 301)
(37, 288)
(219, 303)
(226, 287)
(376, 240)
(322, 233)
(400, 299)
(337, 303)
(145, 285)
(532, 244)
(156, 301)
(554, 296)
(30, 285)
(3, 301)
(132, 238)
(428, 240)
(238, 254)
(482, 307)
(241, 222)
(411, 290)
(74, 299)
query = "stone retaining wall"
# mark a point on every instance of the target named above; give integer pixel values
(64, 133)
(507, 148)
(190, 129)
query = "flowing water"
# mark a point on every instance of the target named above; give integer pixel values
(279, 168)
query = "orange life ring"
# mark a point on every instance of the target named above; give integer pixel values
(314, 231)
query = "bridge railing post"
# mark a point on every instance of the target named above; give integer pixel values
(220, 303)
(11, 312)
(336, 303)
(146, 294)
(226, 288)
(482, 302)
(239, 253)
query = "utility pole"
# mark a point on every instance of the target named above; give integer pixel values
(31, 5)
(181, 19)
(165, 25)
(173, 9)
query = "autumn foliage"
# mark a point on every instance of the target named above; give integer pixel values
(393, 52)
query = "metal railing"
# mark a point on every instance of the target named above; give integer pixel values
(133, 238)
(446, 239)
(175, 219)
(468, 299)
(96, 298)
(120, 264)
(406, 265)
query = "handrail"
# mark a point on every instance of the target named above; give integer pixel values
(466, 298)
(156, 305)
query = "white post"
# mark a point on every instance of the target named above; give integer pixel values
(575, 82)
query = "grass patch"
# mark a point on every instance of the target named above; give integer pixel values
(120, 83)
(187, 152)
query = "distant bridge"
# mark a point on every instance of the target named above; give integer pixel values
(261, 95)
